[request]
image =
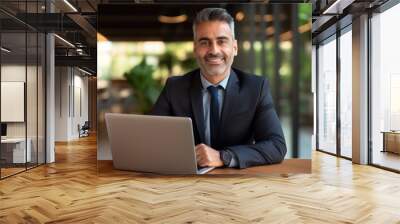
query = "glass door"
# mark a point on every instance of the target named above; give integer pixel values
(14, 144)
(22, 87)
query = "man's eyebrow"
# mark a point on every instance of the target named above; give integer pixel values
(203, 38)
(222, 38)
(218, 38)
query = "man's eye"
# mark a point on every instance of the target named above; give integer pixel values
(204, 43)
(222, 42)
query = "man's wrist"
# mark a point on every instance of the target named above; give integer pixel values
(226, 157)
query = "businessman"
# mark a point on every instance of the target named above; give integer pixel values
(234, 120)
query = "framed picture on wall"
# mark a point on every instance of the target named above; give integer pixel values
(12, 101)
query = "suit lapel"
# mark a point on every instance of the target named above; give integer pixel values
(196, 99)
(231, 96)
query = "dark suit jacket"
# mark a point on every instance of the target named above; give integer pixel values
(249, 126)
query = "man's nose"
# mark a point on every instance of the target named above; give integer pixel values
(213, 48)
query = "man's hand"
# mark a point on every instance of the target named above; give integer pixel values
(207, 156)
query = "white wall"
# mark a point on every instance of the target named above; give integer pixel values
(81, 103)
(62, 81)
(71, 94)
(16, 73)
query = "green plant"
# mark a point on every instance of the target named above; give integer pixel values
(145, 88)
(168, 60)
(189, 63)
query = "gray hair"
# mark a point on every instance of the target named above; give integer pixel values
(214, 14)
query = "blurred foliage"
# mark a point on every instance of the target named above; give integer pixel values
(305, 11)
(189, 63)
(306, 98)
(146, 89)
(168, 60)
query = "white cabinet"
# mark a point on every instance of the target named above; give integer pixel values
(17, 145)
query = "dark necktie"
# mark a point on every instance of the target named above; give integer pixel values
(214, 114)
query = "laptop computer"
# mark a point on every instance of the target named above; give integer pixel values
(157, 144)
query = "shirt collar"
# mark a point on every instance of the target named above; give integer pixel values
(205, 83)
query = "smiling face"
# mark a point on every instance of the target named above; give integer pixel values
(214, 48)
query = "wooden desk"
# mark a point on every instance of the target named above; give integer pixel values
(286, 167)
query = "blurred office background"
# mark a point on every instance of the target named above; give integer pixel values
(140, 46)
(51, 47)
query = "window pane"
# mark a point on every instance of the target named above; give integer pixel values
(31, 96)
(346, 94)
(41, 98)
(327, 97)
(386, 88)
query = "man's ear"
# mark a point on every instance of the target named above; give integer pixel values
(235, 47)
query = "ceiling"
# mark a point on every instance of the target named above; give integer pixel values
(331, 15)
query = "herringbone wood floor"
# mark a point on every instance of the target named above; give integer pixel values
(72, 191)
